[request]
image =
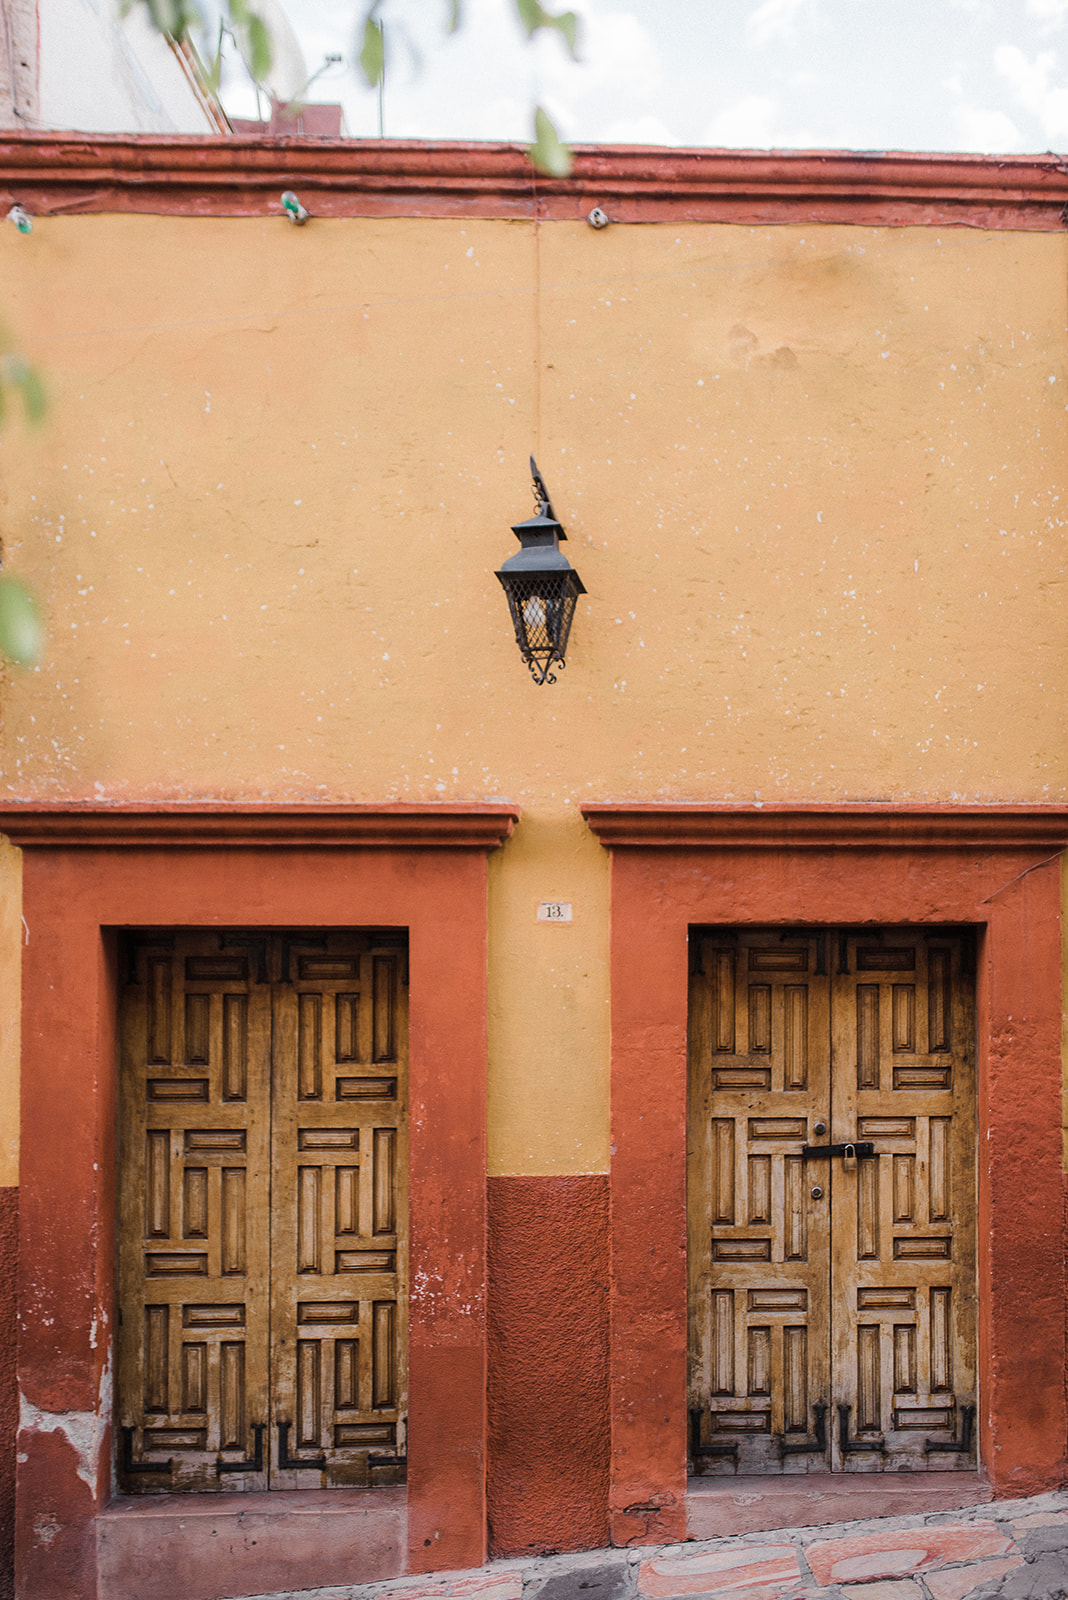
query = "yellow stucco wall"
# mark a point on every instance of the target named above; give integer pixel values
(813, 477)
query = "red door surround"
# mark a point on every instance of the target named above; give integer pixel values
(87, 872)
(994, 867)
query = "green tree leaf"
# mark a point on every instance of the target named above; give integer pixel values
(176, 17)
(17, 371)
(21, 628)
(530, 15)
(372, 51)
(533, 15)
(259, 40)
(547, 152)
(214, 71)
(567, 25)
(252, 36)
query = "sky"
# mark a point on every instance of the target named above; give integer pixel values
(934, 75)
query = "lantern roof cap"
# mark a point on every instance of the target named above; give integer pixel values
(535, 559)
(543, 523)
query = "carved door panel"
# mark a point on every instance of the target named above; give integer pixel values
(758, 1248)
(262, 1211)
(339, 1256)
(904, 1222)
(832, 1296)
(194, 1192)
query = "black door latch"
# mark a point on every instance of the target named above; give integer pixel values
(864, 1151)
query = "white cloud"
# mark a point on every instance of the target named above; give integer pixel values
(1029, 80)
(989, 132)
(772, 19)
(618, 59)
(751, 124)
(1032, 88)
(747, 123)
(1053, 13)
(648, 129)
(739, 73)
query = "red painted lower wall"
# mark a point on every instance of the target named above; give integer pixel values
(548, 1364)
(9, 1399)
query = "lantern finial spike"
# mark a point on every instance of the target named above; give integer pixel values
(541, 494)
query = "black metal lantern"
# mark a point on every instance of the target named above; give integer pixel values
(542, 587)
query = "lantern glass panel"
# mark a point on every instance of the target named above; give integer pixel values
(542, 605)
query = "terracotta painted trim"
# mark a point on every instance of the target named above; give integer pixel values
(1010, 892)
(866, 827)
(548, 1460)
(54, 173)
(73, 900)
(64, 827)
(9, 1398)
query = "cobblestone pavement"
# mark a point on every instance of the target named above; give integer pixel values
(1004, 1550)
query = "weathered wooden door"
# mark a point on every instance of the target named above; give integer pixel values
(262, 1211)
(831, 1200)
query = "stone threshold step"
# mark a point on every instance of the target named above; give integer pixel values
(720, 1506)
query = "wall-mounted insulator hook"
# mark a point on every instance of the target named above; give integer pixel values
(598, 218)
(293, 208)
(21, 218)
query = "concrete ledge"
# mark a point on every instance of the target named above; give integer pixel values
(718, 1507)
(215, 1547)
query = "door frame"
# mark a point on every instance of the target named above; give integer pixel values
(825, 1107)
(88, 872)
(997, 868)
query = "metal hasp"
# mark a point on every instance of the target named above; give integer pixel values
(255, 1461)
(950, 1446)
(542, 587)
(130, 1465)
(864, 1151)
(295, 1463)
(699, 1451)
(818, 1443)
(852, 1447)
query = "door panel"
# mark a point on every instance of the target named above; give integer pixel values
(832, 1298)
(262, 1211)
(339, 1251)
(903, 1268)
(759, 1319)
(194, 1191)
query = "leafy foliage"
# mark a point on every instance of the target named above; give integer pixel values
(180, 18)
(16, 373)
(548, 152)
(373, 50)
(21, 628)
(253, 38)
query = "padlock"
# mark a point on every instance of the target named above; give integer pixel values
(849, 1158)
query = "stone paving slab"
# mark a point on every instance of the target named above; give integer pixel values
(893, 1554)
(1001, 1550)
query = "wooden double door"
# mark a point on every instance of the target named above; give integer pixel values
(262, 1211)
(831, 1176)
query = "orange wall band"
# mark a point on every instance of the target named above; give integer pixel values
(674, 867)
(74, 891)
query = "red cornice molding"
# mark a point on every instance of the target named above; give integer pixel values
(264, 827)
(858, 827)
(214, 176)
